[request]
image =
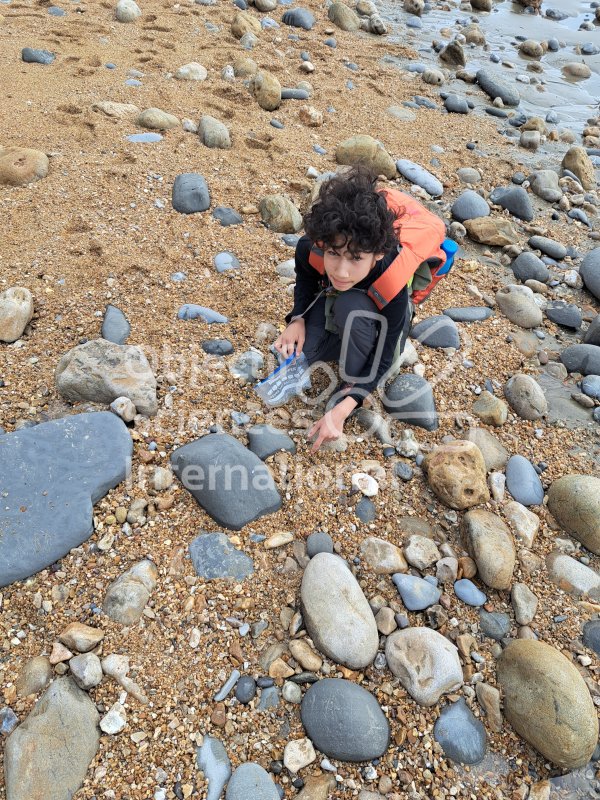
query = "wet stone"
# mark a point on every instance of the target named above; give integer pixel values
(213, 556)
(569, 316)
(225, 261)
(461, 736)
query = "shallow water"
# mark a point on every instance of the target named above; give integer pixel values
(574, 100)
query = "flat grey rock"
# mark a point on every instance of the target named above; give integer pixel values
(48, 755)
(494, 86)
(32, 56)
(214, 762)
(415, 173)
(469, 313)
(495, 624)
(461, 736)
(466, 591)
(590, 272)
(528, 267)
(515, 200)
(217, 347)
(455, 104)
(230, 482)
(584, 358)
(523, 482)
(592, 335)
(409, 398)
(548, 246)
(264, 440)
(565, 314)
(344, 721)
(227, 216)
(53, 474)
(225, 261)
(251, 782)
(417, 594)
(213, 556)
(190, 193)
(438, 332)
(469, 205)
(115, 327)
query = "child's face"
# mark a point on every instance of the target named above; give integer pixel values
(344, 270)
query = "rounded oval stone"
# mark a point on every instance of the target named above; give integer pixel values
(251, 780)
(336, 613)
(461, 735)
(574, 501)
(490, 543)
(344, 721)
(523, 482)
(547, 703)
(426, 663)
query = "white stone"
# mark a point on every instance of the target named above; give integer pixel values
(127, 11)
(497, 481)
(162, 479)
(86, 670)
(421, 552)
(408, 445)
(523, 521)
(16, 310)
(361, 482)
(114, 720)
(124, 408)
(298, 753)
(192, 72)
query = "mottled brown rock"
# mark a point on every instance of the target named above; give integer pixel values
(457, 475)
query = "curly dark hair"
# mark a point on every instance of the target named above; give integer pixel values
(350, 212)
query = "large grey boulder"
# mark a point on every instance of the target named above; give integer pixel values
(48, 755)
(52, 474)
(229, 481)
(495, 86)
(100, 371)
(590, 272)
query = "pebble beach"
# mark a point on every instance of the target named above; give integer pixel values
(414, 610)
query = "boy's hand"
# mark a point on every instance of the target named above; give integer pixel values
(291, 339)
(331, 425)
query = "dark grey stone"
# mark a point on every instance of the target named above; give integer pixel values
(591, 386)
(190, 193)
(245, 689)
(584, 358)
(319, 542)
(8, 720)
(590, 272)
(52, 475)
(409, 398)
(344, 721)
(548, 246)
(251, 781)
(528, 267)
(403, 471)
(193, 311)
(213, 556)
(469, 205)
(365, 510)
(269, 698)
(299, 18)
(294, 94)
(225, 261)
(290, 239)
(217, 347)
(515, 200)
(229, 481)
(461, 736)
(565, 314)
(523, 482)
(556, 15)
(264, 440)
(425, 102)
(501, 113)
(115, 327)
(581, 216)
(592, 335)
(591, 635)
(438, 331)
(469, 313)
(518, 178)
(227, 216)
(32, 56)
(417, 594)
(456, 104)
(495, 86)
(494, 624)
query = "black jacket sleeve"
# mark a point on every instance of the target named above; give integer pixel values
(308, 280)
(397, 315)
